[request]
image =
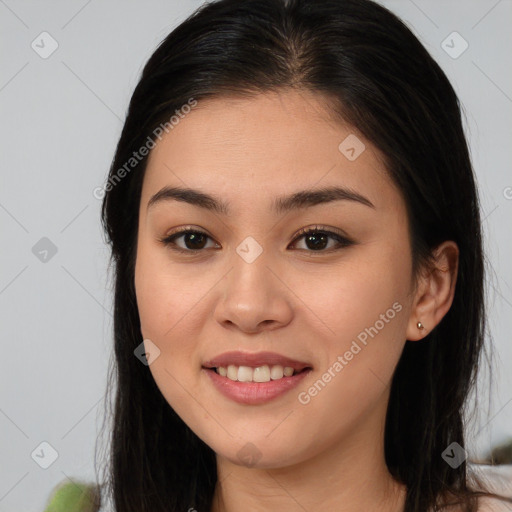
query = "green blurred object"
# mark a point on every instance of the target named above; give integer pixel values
(502, 454)
(74, 497)
(499, 455)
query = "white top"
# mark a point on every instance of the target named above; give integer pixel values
(496, 479)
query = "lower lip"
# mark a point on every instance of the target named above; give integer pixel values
(254, 393)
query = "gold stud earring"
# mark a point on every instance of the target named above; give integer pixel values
(420, 325)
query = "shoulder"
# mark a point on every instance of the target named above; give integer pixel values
(497, 479)
(74, 497)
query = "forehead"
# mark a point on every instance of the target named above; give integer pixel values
(265, 146)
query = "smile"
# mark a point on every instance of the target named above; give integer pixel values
(263, 373)
(250, 392)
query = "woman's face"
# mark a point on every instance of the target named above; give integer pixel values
(252, 284)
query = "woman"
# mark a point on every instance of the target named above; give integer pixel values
(295, 229)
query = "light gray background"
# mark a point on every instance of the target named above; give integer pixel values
(60, 121)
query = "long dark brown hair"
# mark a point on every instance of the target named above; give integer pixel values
(377, 76)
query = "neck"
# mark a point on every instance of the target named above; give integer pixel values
(349, 478)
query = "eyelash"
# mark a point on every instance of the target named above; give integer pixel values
(342, 240)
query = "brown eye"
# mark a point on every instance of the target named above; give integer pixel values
(317, 239)
(193, 240)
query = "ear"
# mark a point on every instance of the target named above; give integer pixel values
(435, 291)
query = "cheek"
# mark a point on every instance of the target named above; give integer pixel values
(165, 292)
(365, 307)
(354, 295)
(365, 310)
(166, 297)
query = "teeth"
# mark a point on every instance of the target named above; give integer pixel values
(276, 372)
(232, 372)
(245, 373)
(288, 372)
(260, 374)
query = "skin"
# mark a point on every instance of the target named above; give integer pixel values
(304, 303)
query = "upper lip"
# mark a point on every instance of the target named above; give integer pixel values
(254, 360)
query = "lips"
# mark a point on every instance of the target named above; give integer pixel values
(255, 360)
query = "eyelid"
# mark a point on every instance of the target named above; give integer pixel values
(185, 229)
(322, 229)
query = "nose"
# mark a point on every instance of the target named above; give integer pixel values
(254, 297)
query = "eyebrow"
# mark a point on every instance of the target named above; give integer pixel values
(295, 201)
